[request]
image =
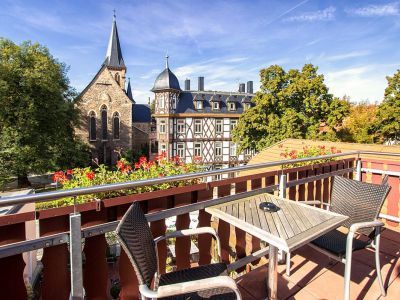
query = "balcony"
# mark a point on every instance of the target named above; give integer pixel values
(313, 275)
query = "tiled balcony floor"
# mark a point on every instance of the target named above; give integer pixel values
(313, 276)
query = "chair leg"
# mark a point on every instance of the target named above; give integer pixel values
(377, 260)
(347, 266)
(288, 264)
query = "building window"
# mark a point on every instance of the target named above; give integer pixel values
(161, 101)
(247, 151)
(246, 106)
(231, 106)
(180, 150)
(173, 101)
(162, 126)
(117, 78)
(218, 149)
(219, 176)
(103, 122)
(232, 150)
(92, 126)
(197, 126)
(219, 126)
(197, 149)
(199, 105)
(215, 105)
(163, 148)
(116, 126)
(180, 126)
(233, 124)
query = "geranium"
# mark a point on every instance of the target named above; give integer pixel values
(309, 151)
(90, 175)
(120, 165)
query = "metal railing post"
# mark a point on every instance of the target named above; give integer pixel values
(358, 170)
(282, 186)
(75, 249)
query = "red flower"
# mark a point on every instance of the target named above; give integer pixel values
(90, 175)
(70, 172)
(127, 169)
(142, 160)
(120, 165)
(137, 166)
(59, 177)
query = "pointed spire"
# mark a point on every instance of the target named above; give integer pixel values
(114, 53)
(129, 90)
(166, 61)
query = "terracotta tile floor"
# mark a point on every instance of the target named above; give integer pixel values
(313, 276)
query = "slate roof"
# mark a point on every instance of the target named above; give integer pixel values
(186, 105)
(141, 113)
(114, 54)
(129, 91)
(165, 81)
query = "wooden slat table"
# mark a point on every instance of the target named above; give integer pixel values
(293, 226)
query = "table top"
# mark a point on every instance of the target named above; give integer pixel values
(294, 225)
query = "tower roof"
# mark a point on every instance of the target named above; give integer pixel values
(166, 80)
(129, 91)
(114, 54)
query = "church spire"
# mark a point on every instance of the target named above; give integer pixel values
(129, 91)
(114, 54)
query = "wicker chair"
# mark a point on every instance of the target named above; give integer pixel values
(362, 202)
(134, 235)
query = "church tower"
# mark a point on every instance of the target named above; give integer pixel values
(106, 106)
(166, 89)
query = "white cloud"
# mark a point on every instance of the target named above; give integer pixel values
(344, 56)
(327, 14)
(390, 9)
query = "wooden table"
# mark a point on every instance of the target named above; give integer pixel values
(293, 226)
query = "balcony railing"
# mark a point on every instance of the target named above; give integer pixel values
(67, 268)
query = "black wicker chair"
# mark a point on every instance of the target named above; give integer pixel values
(362, 202)
(203, 282)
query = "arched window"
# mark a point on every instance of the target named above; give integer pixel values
(117, 78)
(92, 126)
(103, 110)
(116, 126)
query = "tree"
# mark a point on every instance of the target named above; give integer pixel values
(290, 104)
(388, 114)
(37, 114)
(358, 127)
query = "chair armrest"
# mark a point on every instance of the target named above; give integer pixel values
(189, 232)
(191, 286)
(317, 202)
(356, 226)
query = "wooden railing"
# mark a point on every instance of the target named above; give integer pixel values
(304, 183)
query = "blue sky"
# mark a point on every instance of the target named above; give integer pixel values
(355, 44)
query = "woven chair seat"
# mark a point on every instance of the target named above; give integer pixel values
(335, 242)
(197, 273)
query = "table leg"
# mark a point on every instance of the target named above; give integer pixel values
(273, 273)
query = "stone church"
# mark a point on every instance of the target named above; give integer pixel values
(111, 121)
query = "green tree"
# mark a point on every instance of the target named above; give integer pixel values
(290, 104)
(388, 115)
(37, 114)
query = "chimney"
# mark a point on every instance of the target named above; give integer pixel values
(201, 83)
(187, 84)
(250, 87)
(242, 88)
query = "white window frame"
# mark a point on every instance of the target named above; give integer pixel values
(232, 149)
(247, 151)
(215, 105)
(197, 150)
(161, 101)
(163, 147)
(232, 106)
(199, 105)
(198, 124)
(173, 101)
(180, 126)
(219, 124)
(163, 126)
(219, 176)
(180, 150)
(233, 124)
(218, 149)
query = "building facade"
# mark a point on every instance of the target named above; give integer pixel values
(197, 125)
(107, 109)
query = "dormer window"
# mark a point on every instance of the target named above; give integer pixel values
(215, 105)
(232, 106)
(199, 105)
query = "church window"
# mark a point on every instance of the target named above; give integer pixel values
(117, 78)
(92, 126)
(116, 126)
(103, 122)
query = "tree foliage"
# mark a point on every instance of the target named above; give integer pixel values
(388, 114)
(37, 114)
(290, 104)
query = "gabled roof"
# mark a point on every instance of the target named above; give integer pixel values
(141, 113)
(114, 54)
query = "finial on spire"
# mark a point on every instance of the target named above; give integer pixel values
(114, 16)
(166, 61)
